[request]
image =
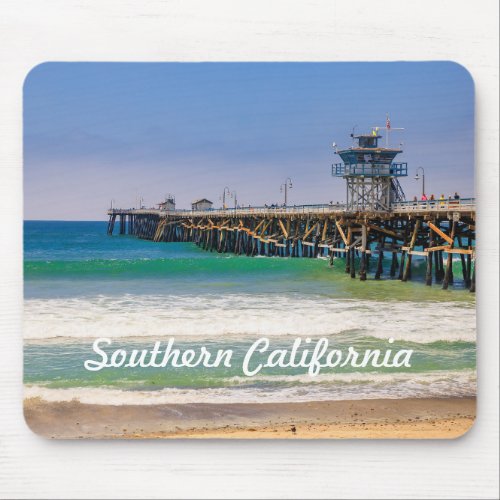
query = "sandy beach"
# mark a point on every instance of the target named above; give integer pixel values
(376, 418)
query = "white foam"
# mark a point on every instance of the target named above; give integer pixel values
(334, 387)
(212, 316)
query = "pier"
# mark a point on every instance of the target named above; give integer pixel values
(375, 222)
(434, 230)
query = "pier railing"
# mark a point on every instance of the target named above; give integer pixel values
(455, 205)
(240, 211)
(370, 169)
(460, 205)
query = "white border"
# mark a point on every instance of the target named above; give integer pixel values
(33, 31)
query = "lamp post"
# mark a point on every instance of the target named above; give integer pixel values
(226, 190)
(417, 177)
(233, 195)
(287, 185)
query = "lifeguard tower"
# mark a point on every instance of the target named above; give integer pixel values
(370, 172)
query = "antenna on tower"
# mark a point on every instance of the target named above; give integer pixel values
(352, 133)
(387, 128)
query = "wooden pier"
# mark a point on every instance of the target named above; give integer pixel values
(436, 230)
(375, 221)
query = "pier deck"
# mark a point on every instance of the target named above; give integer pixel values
(436, 230)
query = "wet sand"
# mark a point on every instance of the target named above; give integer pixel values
(369, 418)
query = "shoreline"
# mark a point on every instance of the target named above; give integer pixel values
(414, 418)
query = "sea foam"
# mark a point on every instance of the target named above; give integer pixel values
(246, 315)
(292, 388)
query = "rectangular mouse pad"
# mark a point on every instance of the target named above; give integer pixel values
(249, 250)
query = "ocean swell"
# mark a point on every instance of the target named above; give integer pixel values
(244, 316)
(300, 388)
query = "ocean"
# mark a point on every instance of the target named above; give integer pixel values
(81, 284)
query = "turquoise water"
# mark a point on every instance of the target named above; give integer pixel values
(81, 284)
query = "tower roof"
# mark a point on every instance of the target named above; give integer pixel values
(365, 136)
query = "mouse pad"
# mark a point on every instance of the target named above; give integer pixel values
(249, 250)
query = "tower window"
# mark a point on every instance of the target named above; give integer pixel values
(367, 142)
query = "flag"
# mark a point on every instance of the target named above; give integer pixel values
(388, 123)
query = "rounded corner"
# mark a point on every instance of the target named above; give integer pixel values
(466, 72)
(29, 423)
(466, 431)
(31, 71)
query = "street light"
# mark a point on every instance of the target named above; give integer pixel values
(287, 185)
(233, 195)
(226, 190)
(417, 177)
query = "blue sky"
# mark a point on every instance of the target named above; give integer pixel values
(100, 131)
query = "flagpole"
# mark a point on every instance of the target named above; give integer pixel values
(387, 128)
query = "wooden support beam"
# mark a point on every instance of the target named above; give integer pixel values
(448, 274)
(257, 226)
(435, 249)
(385, 231)
(438, 231)
(342, 235)
(380, 269)
(264, 228)
(464, 265)
(473, 278)
(430, 257)
(285, 232)
(362, 265)
(407, 270)
(463, 251)
(468, 281)
(309, 231)
(359, 248)
(417, 252)
(348, 252)
(355, 242)
(325, 229)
